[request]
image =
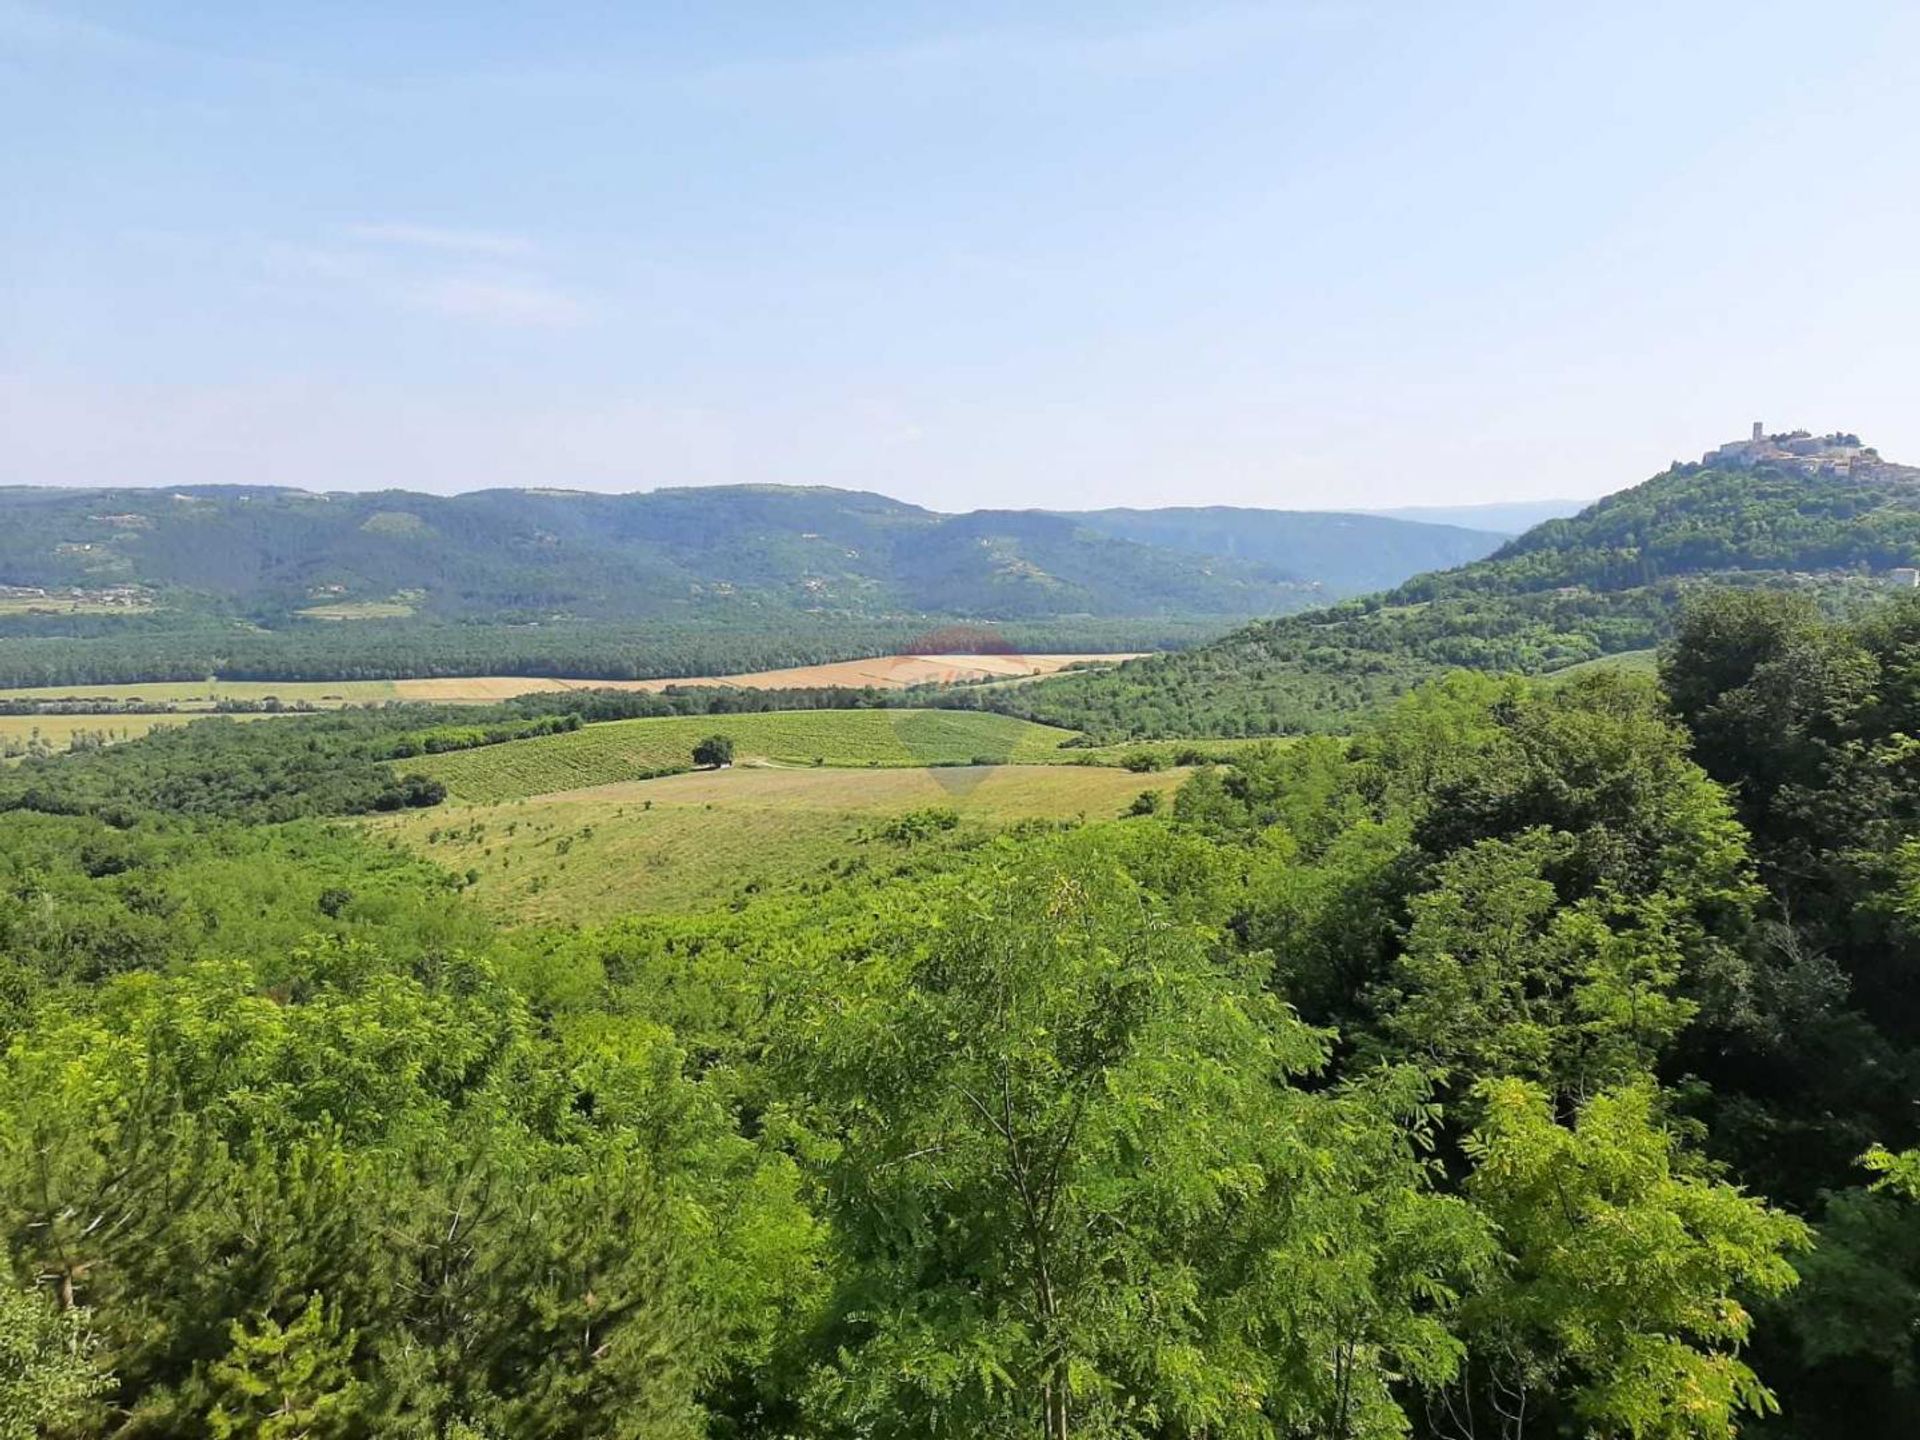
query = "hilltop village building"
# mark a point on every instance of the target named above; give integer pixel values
(1836, 454)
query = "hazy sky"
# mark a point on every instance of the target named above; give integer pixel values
(1308, 254)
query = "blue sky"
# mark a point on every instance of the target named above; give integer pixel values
(1312, 255)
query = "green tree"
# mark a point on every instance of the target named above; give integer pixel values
(1782, 707)
(509, 1228)
(1080, 1195)
(286, 1382)
(1499, 977)
(48, 1369)
(1617, 1306)
(1898, 1172)
(715, 752)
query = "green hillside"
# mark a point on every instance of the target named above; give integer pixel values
(1344, 554)
(735, 554)
(258, 583)
(1609, 579)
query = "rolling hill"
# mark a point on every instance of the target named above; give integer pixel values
(726, 555)
(1503, 517)
(1608, 580)
(1346, 554)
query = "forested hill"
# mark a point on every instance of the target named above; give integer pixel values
(1505, 517)
(1607, 580)
(1347, 554)
(1696, 519)
(693, 555)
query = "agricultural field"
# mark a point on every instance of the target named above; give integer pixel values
(53, 605)
(689, 841)
(883, 672)
(628, 749)
(20, 734)
(205, 694)
(360, 610)
(886, 672)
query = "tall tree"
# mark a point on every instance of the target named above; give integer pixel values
(1618, 1309)
(1081, 1196)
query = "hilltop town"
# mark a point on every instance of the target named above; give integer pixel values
(1839, 453)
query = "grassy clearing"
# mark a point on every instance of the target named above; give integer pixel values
(625, 749)
(360, 610)
(690, 841)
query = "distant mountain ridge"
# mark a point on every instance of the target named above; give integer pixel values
(716, 553)
(1349, 554)
(1605, 581)
(1505, 517)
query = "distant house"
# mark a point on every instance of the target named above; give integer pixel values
(1904, 577)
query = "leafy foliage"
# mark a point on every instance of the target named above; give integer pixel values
(274, 770)
(321, 1196)
(1614, 1308)
(48, 1371)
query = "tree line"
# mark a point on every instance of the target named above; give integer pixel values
(187, 648)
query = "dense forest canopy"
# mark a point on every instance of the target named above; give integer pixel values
(1536, 1060)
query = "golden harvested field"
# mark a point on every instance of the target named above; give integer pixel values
(627, 749)
(687, 841)
(885, 672)
(888, 672)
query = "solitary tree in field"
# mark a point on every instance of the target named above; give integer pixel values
(716, 752)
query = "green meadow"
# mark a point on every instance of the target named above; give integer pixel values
(682, 842)
(629, 749)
